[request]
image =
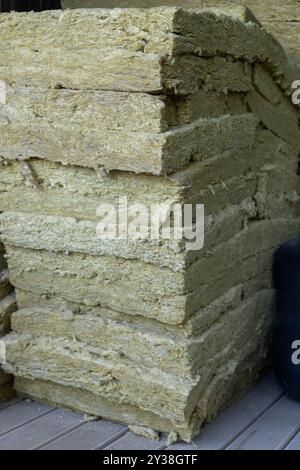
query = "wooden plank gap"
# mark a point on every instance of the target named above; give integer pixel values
(6, 404)
(58, 436)
(253, 421)
(24, 423)
(110, 441)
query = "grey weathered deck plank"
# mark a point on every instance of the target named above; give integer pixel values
(91, 435)
(19, 414)
(273, 430)
(235, 419)
(133, 442)
(263, 419)
(294, 444)
(41, 430)
(5, 404)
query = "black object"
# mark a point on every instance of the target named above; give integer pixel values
(29, 5)
(286, 337)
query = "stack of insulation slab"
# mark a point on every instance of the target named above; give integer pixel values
(158, 105)
(7, 306)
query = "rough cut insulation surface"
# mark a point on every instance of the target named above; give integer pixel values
(280, 18)
(167, 51)
(7, 306)
(138, 331)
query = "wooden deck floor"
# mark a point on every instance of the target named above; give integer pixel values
(264, 419)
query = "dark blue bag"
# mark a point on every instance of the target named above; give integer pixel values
(286, 337)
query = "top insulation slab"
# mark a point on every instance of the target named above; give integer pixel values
(143, 52)
(127, 49)
(279, 18)
(266, 10)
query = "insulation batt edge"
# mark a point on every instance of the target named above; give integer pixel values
(7, 306)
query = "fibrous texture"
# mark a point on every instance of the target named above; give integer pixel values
(7, 306)
(280, 18)
(162, 106)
